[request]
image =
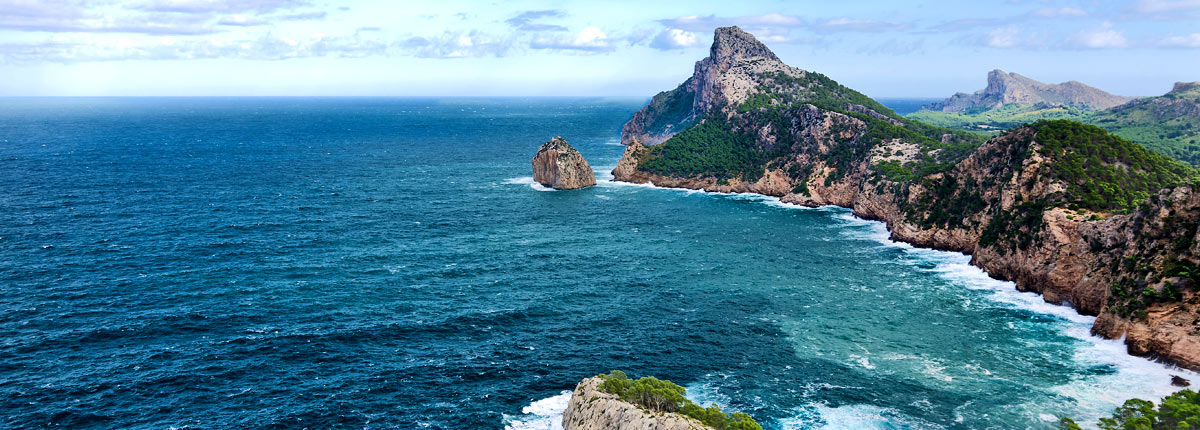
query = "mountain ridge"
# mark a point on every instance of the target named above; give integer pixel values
(1011, 88)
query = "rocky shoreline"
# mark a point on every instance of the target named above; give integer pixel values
(1004, 202)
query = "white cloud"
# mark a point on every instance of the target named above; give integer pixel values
(455, 44)
(1100, 38)
(1189, 41)
(674, 38)
(863, 25)
(1004, 37)
(588, 39)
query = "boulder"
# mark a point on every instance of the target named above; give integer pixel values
(557, 165)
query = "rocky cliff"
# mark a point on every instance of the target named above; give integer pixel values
(593, 409)
(1060, 208)
(1010, 88)
(558, 165)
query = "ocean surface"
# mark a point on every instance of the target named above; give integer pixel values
(388, 263)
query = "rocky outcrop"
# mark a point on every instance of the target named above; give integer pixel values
(593, 409)
(557, 165)
(997, 203)
(727, 77)
(1010, 88)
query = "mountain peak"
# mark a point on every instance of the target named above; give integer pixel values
(731, 44)
(1183, 87)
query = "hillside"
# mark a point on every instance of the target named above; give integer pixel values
(1168, 124)
(1061, 208)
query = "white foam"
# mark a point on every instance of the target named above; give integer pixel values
(853, 417)
(528, 180)
(544, 414)
(1095, 396)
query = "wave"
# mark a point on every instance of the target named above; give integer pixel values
(544, 414)
(1094, 397)
(853, 417)
(528, 180)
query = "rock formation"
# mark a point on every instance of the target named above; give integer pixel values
(1010, 88)
(557, 165)
(1013, 203)
(593, 409)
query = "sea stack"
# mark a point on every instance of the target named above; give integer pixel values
(557, 165)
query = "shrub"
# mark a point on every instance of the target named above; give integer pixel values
(666, 396)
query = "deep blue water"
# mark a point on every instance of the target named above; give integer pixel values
(904, 106)
(385, 263)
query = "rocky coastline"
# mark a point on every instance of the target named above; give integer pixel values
(1088, 259)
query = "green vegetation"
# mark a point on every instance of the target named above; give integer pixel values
(723, 150)
(710, 148)
(1168, 125)
(1102, 171)
(665, 396)
(993, 121)
(670, 108)
(1179, 411)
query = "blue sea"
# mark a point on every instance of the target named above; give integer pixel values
(249, 263)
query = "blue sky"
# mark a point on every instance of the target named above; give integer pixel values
(549, 48)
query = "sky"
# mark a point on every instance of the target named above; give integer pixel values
(587, 48)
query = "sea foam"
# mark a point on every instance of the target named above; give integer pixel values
(544, 414)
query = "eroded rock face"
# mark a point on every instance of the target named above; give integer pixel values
(557, 165)
(593, 409)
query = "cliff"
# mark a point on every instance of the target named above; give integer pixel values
(558, 165)
(1058, 207)
(590, 408)
(1010, 88)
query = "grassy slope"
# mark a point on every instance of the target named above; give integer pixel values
(1178, 138)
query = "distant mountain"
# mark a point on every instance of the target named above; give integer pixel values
(1005, 89)
(1168, 124)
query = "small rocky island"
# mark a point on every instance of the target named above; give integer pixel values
(557, 165)
(613, 401)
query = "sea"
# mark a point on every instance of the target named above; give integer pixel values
(253, 263)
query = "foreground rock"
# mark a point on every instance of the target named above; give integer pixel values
(1025, 205)
(593, 409)
(559, 166)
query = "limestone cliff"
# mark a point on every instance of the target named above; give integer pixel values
(1010, 88)
(557, 165)
(1060, 208)
(593, 409)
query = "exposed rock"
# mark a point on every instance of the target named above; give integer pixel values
(1072, 257)
(593, 409)
(1010, 88)
(1178, 381)
(559, 166)
(1185, 87)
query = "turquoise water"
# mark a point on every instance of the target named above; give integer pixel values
(388, 263)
